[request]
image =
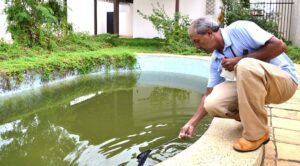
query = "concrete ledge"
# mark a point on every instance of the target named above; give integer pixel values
(215, 148)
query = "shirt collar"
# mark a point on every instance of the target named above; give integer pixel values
(227, 43)
(226, 38)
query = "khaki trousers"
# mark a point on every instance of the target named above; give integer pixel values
(257, 83)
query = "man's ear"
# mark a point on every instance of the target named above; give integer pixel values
(209, 32)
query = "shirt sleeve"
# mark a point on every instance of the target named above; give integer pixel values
(214, 74)
(250, 33)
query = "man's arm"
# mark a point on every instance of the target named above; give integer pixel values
(187, 130)
(270, 50)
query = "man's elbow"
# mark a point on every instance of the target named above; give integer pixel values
(279, 45)
(284, 47)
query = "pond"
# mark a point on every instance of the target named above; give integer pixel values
(100, 119)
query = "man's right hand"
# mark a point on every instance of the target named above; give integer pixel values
(186, 132)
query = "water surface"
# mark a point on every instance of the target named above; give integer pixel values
(99, 120)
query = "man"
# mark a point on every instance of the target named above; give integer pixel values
(263, 74)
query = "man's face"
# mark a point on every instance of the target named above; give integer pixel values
(203, 42)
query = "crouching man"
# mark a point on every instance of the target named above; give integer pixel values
(248, 70)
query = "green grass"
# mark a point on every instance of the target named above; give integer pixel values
(82, 53)
(76, 52)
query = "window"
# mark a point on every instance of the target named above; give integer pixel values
(210, 7)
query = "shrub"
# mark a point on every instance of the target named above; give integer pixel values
(240, 10)
(34, 22)
(174, 29)
(294, 53)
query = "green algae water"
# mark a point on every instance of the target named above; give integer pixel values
(99, 120)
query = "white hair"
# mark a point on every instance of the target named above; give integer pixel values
(201, 25)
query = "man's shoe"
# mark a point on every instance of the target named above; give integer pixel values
(243, 145)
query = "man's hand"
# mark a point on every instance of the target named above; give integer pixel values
(186, 132)
(229, 63)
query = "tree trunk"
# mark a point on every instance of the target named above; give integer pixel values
(116, 16)
(177, 6)
(65, 18)
(95, 17)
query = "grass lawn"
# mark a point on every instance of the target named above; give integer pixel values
(78, 52)
(82, 53)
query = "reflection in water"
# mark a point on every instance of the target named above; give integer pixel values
(107, 128)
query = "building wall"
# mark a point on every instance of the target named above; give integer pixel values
(192, 8)
(295, 33)
(3, 24)
(81, 15)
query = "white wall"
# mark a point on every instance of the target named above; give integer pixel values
(81, 15)
(125, 17)
(193, 8)
(3, 25)
(125, 20)
(142, 27)
(295, 33)
(103, 8)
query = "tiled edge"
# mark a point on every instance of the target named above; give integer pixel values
(215, 148)
(284, 149)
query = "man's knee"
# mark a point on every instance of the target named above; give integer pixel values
(210, 106)
(247, 64)
(244, 63)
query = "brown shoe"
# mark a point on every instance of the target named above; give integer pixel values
(243, 145)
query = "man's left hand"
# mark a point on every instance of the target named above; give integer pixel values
(229, 63)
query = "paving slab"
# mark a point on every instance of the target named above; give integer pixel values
(270, 151)
(269, 162)
(288, 104)
(286, 114)
(287, 163)
(287, 136)
(286, 123)
(288, 151)
(215, 148)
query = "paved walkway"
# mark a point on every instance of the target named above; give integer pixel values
(284, 122)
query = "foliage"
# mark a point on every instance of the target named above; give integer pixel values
(35, 22)
(83, 62)
(77, 52)
(240, 10)
(294, 53)
(156, 42)
(174, 29)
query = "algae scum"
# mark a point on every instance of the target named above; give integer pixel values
(98, 120)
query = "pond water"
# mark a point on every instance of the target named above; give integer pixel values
(99, 119)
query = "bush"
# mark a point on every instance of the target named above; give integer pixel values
(294, 53)
(33, 23)
(140, 42)
(240, 10)
(174, 29)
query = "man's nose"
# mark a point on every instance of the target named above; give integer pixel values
(199, 47)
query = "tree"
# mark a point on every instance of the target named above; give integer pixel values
(35, 22)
